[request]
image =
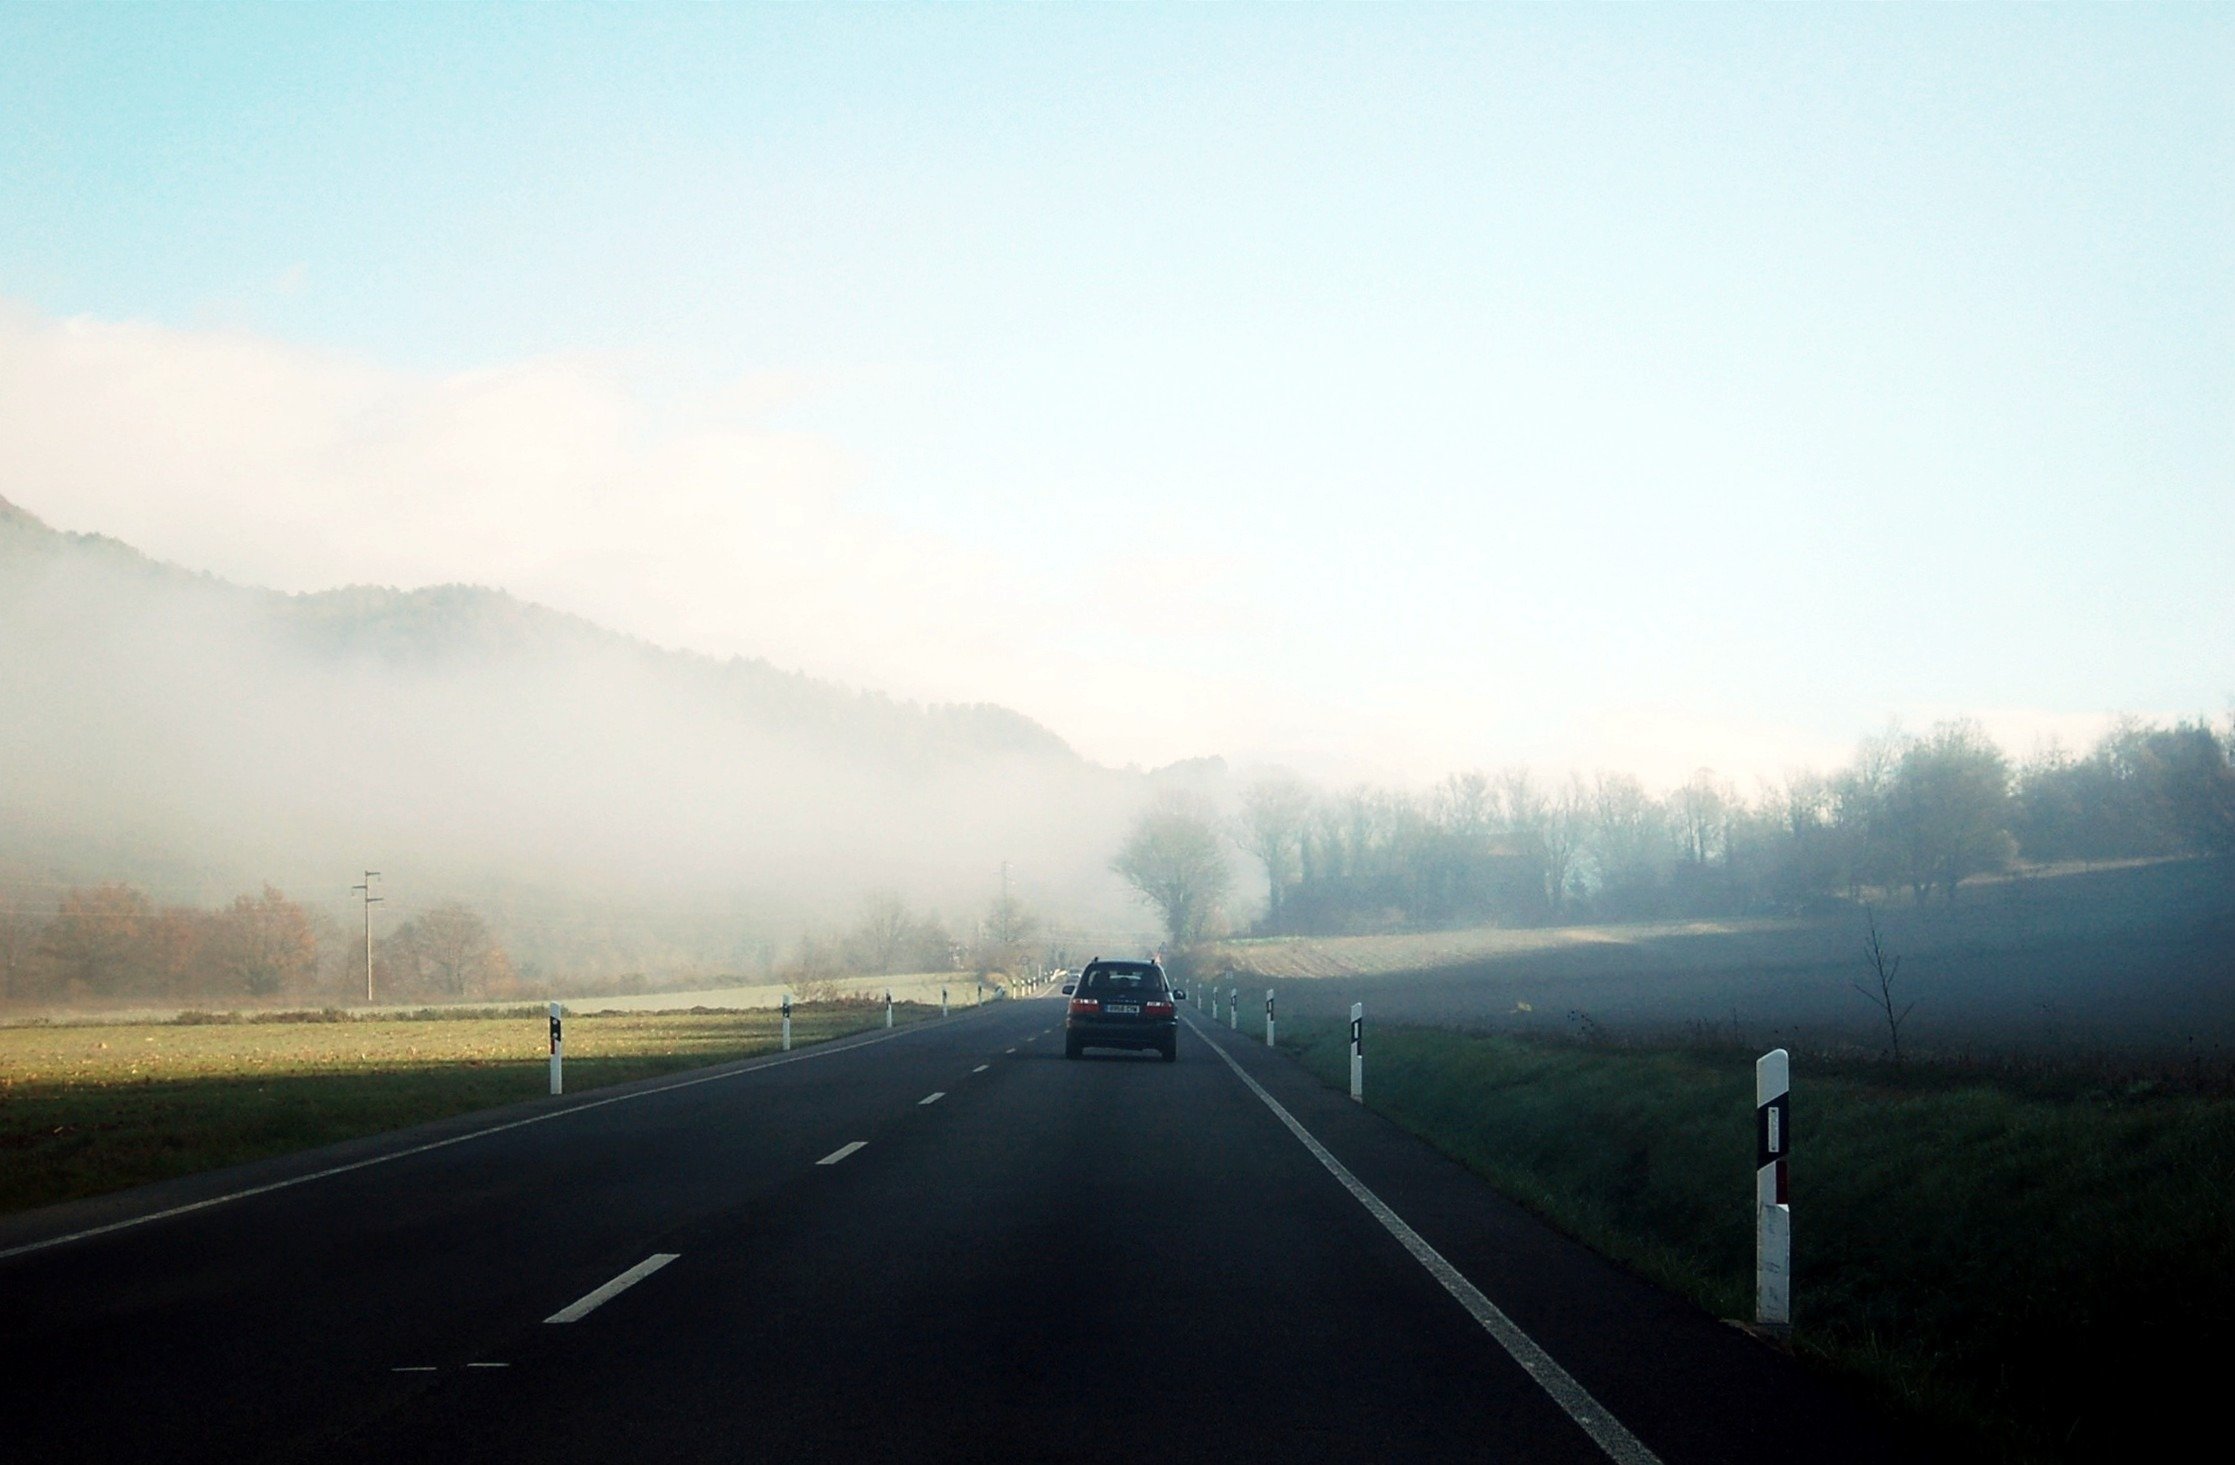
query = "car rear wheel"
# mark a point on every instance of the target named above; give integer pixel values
(1071, 1047)
(1171, 1051)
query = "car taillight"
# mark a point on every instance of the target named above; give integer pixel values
(1085, 1006)
(1157, 1009)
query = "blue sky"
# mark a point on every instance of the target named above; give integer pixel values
(1382, 387)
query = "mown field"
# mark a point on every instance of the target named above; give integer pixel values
(2041, 1262)
(97, 1107)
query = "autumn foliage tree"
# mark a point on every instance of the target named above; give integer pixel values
(98, 939)
(264, 944)
(110, 941)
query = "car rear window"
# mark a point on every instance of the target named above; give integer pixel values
(1124, 981)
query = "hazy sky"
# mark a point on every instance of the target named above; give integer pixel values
(1381, 388)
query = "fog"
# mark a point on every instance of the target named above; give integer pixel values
(1377, 401)
(606, 803)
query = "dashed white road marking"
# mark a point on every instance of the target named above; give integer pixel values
(1009, 1050)
(413, 1368)
(749, 1065)
(576, 1311)
(931, 1098)
(1575, 1401)
(488, 1365)
(981, 1068)
(841, 1152)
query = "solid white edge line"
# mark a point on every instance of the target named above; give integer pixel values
(591, 1302)
(931, 1098)
(1574, 1400)
(842, 1152)
(754, 1065)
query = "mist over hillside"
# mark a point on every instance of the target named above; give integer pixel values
(609, 803)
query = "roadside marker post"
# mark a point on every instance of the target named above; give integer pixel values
(558, 1051)
(888, 1009)
(1773, 1212)
(787, 1022)
(1268, 1017)
(942, 1002)
(1358, 1052)
(1234, 1008)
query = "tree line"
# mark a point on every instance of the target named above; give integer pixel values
(109, 942)
(888, 938)
(1914, 814)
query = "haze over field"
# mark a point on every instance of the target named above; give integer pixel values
(886, 439)
(203, 738)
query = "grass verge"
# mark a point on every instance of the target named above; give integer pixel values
(91, 1108)
(2043, 1268)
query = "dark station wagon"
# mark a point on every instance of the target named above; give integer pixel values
(1122, 1004)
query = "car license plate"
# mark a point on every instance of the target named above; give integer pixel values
(1123, 1009)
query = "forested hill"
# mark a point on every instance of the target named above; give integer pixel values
(170, 727)
(463, 624)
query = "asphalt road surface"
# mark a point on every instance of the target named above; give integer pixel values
(943, 1243)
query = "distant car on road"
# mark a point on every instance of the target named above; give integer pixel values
(1122, 1004)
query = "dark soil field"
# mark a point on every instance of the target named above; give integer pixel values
(2137, 960)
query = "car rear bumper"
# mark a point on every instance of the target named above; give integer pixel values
(1120, 1032)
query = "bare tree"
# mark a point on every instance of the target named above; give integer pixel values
(1174, 859)
(1884, 969)
(1628, 842)
(1567, 821)
(1275, 812)
(1466, 805)
(1009, 930)
(461, 958)
(1703, 810)
(882, 934)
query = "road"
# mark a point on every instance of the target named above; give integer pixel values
(1049, 1260)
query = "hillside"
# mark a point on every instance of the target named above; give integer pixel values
(200, 737)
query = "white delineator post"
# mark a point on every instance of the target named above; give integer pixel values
(558, 1052)
(942, 1002)
(1234, 1008)
(1773, 1212)
(787, 1022)
(1358, 1052)
(888, 1009)
(1268, 1017)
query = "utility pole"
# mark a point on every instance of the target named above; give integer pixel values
(371, 900)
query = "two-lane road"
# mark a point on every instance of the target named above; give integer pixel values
(943, 1243)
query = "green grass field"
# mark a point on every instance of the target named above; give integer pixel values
(2042, 1265)
(93, 1108)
